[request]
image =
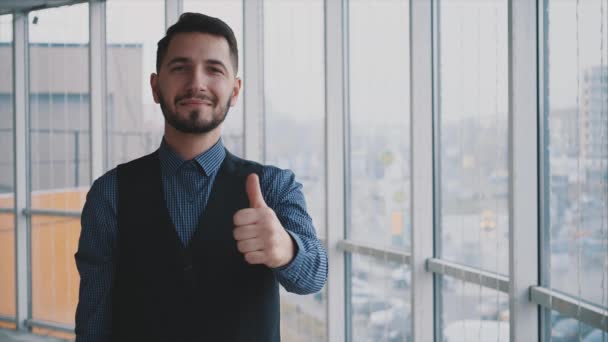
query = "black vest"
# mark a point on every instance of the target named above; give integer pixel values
(204, 292)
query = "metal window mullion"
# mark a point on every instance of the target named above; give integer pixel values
(544, 185)
(469, 274)
(587, 313)
(173, 9)
(51, 212)
(378, 252)
(97, 86)
(253, 80)
(335, 136)
(7, 319)
(66, 328)
(523, 169)
(421, 135)
(21, 147)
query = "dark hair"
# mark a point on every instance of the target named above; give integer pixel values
(197, 22)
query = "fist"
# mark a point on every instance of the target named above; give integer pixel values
(258, 233)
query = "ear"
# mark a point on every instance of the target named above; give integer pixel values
(154, 86)
(236, 90)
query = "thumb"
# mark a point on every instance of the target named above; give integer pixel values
(254, 192)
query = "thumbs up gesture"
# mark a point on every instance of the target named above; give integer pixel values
(258, 233)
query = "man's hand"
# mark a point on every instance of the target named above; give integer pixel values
(258, 233)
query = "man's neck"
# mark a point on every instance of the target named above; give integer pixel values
(188, 146)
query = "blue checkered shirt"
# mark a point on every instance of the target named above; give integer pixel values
(187, 185)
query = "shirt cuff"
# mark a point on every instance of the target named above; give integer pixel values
(291, 269)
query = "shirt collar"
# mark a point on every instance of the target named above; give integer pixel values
(209, 160)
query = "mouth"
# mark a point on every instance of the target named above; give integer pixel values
(195, 102)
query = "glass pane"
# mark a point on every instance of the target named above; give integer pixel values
(473, 158)
(380, 305)
(6, 112)
(379, 122)
(294, 95)
(59, 107)
(134, 121)
(566, 329)
(576, 159)
(60, 160)
(473, 133)
(231, 12)
(55, 279)
(576, 151)
(473, 313)
(7, 265)
(7, 180)
(378, 192)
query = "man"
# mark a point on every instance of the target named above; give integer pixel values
(190, 242)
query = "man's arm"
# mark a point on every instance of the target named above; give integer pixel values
(307, 271)
(94, 261)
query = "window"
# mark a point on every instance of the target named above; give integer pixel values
(294, 99)
(134, 121)
(60, 161)
(575, 164)
(7, 179)
(378, 154)
(473, 162)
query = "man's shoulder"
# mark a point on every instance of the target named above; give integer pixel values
(269, 172)
(105, 184)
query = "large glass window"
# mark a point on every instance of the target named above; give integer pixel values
(575, 167)
(134, 121)
(380, 307)
(231, 12)
(7, 179)
(294, 98)
(473, 161)
(59, 157)
(378, 154)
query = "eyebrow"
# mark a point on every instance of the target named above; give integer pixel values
(176, 60)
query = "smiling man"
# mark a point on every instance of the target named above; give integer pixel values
(190, 243)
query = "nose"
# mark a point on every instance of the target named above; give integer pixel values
(197, 80)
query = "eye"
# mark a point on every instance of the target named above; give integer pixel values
(178, 68)
(214, 70)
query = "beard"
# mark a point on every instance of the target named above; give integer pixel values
(193, 122)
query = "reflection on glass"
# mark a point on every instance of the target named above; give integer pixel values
(231, 12)
(380, 300)
(379, 123)
(473, 313)
(576, 157)
(60, 160)
(473, 133)
(294, 96)
(134, 120)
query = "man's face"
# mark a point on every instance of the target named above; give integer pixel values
(196, 83)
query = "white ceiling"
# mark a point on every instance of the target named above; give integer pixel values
(9, 6)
